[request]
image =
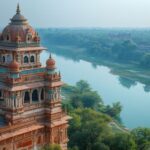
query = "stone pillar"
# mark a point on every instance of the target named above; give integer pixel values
(7, 102)
(36, 58)
(15, 103)
(29, 58)
(22, 59)
(30, 92)
(44, 94)
(39, 94)
(12, 103)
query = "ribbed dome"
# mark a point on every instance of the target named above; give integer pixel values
(50, 63)
(19, 27)
(14, 66)
(25, 32)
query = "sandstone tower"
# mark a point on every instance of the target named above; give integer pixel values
(30, 95)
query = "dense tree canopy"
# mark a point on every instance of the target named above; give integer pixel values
(91, 124)
(142, 138)
(127, 46)
(86, 128)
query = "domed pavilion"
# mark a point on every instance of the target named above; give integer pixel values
(31, 114)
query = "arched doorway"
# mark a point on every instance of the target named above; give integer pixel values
(27, 97)
(35, 97)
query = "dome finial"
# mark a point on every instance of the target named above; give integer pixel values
(59, 73)
(50, 56)
(50, 63)
(18, 9)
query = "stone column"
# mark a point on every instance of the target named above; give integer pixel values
(22, 58)
(12, 103)
(30, 92)
(39, 94)
(36, 58)
(14, 100)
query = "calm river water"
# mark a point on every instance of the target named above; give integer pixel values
(135, 101)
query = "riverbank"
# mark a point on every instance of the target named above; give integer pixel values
(130, 72)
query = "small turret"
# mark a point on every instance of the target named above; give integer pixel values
(50, 63)
(14, 67)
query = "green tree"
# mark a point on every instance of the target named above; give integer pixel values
(91, 99)
(87, 128)
(120, 141)
(76, 101)
(114, 110)
(82, 86)
(142, 137)
(82, 96)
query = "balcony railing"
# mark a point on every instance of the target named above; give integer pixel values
(20, 44)
(33, 71)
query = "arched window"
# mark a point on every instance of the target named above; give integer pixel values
(42, 94)
(32, 59)
(26, 59)
(8, 58)
(7, 37)
(29, 37)
(27, 97)
(35, 97)
(0, 93)
(3, 59)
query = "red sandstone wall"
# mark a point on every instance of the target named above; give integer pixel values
(25, 141)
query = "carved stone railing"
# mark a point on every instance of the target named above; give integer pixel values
(32, 71)
(20, 44)
(32, 106)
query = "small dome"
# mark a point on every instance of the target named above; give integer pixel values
(14, 66)
(50, 63)
(18, 19)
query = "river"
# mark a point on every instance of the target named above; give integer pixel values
(133, 98)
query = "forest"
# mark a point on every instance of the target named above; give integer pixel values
(96, 126)
(124, 45)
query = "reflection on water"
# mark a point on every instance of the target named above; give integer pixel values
(128, 83)
(147, 88)
(112, 88)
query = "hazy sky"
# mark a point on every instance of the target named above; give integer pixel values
(79, 13)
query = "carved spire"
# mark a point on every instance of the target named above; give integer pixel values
(59, 73)
(18, 9)
(50, 63)
(50, 56)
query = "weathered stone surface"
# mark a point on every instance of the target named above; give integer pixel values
(30, 95)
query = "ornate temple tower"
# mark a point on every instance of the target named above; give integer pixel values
(30, 95)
